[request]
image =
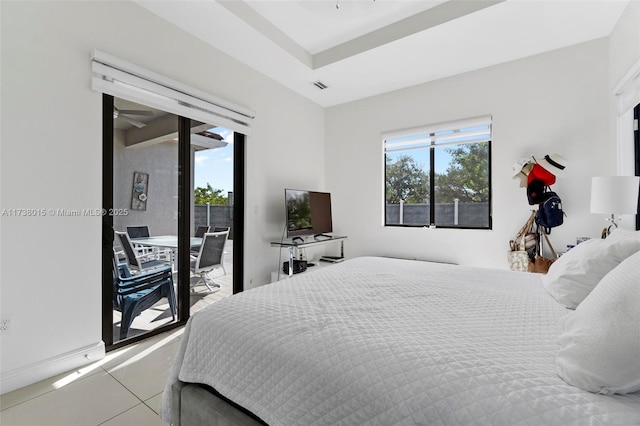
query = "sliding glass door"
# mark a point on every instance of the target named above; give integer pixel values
(213, 212)
(144, 220)
(150, 244)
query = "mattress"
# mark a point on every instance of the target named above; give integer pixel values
(382, 341)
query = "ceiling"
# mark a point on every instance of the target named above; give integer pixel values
(361, 48)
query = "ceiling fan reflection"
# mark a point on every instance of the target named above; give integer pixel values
(125, 114)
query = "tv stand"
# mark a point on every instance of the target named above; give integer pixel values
(294, 244)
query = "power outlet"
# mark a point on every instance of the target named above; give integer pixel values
(5, 325)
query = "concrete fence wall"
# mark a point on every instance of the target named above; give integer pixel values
(469, 214)
(218, 216)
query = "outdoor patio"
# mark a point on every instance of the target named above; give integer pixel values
(201, 297)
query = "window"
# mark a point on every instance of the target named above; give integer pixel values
(439, 175)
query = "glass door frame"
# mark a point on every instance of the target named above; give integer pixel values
(184, 224)
(636, 150)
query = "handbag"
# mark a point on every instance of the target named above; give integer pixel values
(530, 240)
(542, 264)
(519, 256)
(519, 260)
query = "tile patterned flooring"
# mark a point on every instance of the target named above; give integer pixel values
(123, 389)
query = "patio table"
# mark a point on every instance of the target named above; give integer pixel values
(167, 242)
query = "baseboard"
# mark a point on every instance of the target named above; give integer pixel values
(33, 373)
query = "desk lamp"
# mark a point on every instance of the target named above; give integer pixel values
(614, 195)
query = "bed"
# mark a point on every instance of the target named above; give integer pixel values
(382, 341)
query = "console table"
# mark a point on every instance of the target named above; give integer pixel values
(296, 243)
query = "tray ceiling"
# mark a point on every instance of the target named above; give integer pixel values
(363, 48)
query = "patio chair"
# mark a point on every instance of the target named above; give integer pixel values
(215, 229)
(133, 294)
(210, 257)
(222, 229)
(200, 231)
(139, 259)
(140, 232)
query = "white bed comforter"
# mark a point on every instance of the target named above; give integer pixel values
(381, 341)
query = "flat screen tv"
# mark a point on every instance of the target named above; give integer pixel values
(308, 212)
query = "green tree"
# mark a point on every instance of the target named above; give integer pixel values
(209, 195)
(406, 180)
(467, 176)
(299, 211)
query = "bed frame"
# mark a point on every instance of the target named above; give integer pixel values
(199, 405)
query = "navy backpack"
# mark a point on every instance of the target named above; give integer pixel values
(550, 212)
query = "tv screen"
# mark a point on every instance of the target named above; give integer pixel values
(308, 212)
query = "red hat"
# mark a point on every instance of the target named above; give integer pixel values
(540, 173)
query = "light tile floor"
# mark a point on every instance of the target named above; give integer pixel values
(123, 389)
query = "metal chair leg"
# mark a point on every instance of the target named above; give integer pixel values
(208, 282)
(211, 284)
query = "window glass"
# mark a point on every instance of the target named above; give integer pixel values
(439, 177)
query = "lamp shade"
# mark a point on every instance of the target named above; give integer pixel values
(614, 194)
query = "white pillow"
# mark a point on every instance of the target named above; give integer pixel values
(572, 277)
(621, 234)
(600, 340)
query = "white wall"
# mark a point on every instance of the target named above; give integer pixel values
(51, 137)
(160, 161)
(624, 47)
(624, 43)
(553, 102)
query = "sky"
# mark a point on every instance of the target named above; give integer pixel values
(421, 156)
(215, 166)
